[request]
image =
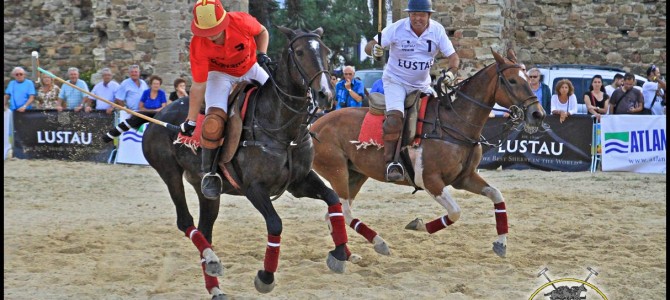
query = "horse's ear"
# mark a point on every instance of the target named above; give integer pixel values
(498, 57)
(318, 31)
(287, 31)
(511, 55)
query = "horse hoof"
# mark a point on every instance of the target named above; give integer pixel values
(381, 247)
(355, 258)
(500, 249)
(335, 265)
(214, 268)
(416, 224)
(220, 297)
(263, 287)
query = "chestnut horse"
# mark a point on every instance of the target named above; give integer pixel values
(275, 154)
(448, 153)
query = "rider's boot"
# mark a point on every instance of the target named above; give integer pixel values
(392, 127)
(211, 139)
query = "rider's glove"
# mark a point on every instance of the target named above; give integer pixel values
(262, 58)
(187, 127)
(450, 78)
(377, 50)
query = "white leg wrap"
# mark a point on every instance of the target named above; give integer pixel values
(448, 202)
(494, 194)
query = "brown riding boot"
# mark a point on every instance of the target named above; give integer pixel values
(211, 140)
(392, 128)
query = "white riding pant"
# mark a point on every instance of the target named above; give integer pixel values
(396, 92)
(219, 85)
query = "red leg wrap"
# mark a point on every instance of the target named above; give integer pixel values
(438, 224)
(363, 229)
(210, 281)
(501, 217)
(337, 223)
(272, 254)
(198, 239)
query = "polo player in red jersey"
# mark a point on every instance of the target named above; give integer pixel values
(226, 48)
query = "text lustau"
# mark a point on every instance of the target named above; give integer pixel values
(64, 137)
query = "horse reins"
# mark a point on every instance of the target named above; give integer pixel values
(516, 112)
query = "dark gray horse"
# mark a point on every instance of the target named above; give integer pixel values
(275, 155)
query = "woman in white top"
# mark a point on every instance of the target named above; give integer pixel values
(564, 102)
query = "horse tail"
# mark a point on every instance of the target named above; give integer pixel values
(133, 122)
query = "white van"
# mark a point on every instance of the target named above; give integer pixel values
(580, 76)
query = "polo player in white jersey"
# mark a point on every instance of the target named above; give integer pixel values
(413, 43)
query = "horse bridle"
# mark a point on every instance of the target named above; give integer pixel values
(302, 135)
(516, 112)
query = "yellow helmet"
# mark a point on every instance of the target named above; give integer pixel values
(209, 18)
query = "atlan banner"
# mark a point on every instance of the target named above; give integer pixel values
(65, 135)
(634, 143)
(554, 147)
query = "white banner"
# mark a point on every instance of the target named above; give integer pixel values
(634, 143)
(8, 121)
(129, 150)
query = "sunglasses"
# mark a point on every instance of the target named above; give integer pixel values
(19, 74)
(348, 73)
(533, 76)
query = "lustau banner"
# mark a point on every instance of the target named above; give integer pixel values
(66, 135)
(554, 147)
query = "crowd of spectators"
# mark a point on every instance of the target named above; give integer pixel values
(134, 93)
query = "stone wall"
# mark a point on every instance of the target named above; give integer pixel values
(599, 32)
(91, 34)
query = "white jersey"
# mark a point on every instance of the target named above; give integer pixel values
(411, 56)
(609, 90)
(649, 92)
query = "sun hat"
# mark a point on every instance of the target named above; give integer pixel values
(209, 18)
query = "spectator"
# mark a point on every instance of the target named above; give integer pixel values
(627, 99)
(179, 90)
(70, 97)
(499, 110)
(377, 86)
(153, 98)
(349, 92)
(131, 89)
(617, 81)
(47, 94)
(540, 89)
(653, 91)
(564, 102)
(20, 92)
(334, 80)
(596, 99)
(106, 90)
(408, 69)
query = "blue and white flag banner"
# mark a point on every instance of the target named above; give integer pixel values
(633, 143)
(129, 150)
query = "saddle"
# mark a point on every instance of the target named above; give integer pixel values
(412, 108)
(237, 105)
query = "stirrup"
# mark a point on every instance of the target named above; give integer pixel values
(211, 185)
(394, 171)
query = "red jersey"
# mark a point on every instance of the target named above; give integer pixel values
(237, 54)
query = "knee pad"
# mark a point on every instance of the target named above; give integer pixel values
(213, 128)
(392, 125)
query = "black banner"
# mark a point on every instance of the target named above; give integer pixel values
(554, 147)
(65, 135)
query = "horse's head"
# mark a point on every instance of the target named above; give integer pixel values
(308, 64)
(514, 93)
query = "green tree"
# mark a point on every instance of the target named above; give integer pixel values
(344, 23)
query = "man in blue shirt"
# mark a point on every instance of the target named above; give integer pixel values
(349, 92)
(74, 98)
(131, 89)
(377, 87)
(20, 92)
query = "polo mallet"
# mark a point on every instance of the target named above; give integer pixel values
(169, 126)
(379, 26)
(36, 63)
